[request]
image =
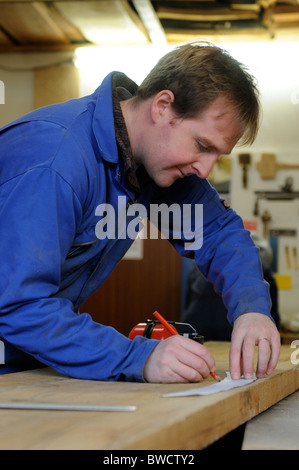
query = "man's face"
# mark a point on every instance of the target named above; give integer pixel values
(181, 147)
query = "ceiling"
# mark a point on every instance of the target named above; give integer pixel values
(61, 25)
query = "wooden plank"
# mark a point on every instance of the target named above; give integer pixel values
(285, 13)
(29, 23)
(178, 36)
(279, 17)
(104, 22)
(70, 31)
(44, 1)
(4, 39)
(158, 423)
(209, 14)
(246, 6)
(150, 21)
(175, 36)
(37, 47)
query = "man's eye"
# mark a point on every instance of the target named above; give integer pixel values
(201, 147)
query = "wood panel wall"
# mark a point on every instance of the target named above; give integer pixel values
(55, 84)
(136, 288)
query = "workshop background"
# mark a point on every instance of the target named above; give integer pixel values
(54, 51)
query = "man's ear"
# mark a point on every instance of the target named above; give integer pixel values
(161, 105)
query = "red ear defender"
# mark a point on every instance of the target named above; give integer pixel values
(153, 329)
(164, 329)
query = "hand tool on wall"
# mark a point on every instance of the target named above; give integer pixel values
(244, 160)
(266, 217)
(295, 258)
(288, 185)
(256, 207)
(287, 255)
(268, 166)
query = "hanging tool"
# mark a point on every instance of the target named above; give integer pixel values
(268, 166)
(245, 160)
(266, 217)
(295, 258)
(287, 255)
(288, 185)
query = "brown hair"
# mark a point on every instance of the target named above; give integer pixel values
(197, 74)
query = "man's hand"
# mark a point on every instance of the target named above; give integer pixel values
(252, 329)
(178, 359)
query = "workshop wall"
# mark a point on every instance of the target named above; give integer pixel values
(270, 208)
(269, 204)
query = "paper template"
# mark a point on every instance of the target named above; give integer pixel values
(226, 384)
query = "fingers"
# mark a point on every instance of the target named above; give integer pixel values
(241, 358)
(193, 365)
(275, 351)
(178, 359)
(268, 354)
(264, 353)
(250, 330)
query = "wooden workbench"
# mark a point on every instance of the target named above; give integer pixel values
(158, 422)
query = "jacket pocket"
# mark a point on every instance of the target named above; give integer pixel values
(78, 249)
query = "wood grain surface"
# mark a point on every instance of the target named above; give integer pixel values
(158, 423)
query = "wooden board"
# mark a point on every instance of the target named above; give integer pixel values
(30, 22)
(110, 22)
(158, 423)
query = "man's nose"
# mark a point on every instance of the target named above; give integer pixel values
(207, 165)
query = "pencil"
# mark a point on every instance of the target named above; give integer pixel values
(167, 325)
(173, 331)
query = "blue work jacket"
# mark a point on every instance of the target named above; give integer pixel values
(58, 164)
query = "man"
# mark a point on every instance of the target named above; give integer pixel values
(153, 144)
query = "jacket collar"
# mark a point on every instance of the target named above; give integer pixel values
(103, 120)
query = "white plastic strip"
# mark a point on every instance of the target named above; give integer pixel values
(2, 353)
(63, 407)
